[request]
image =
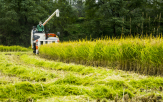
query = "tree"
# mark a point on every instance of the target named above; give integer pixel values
(68, 16)
(111, 16)
(17, 18)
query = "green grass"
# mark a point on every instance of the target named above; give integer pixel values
(69, 80)
(61, 66)
(151, 82)
(24, 72)
(12, 48)
(24, 90)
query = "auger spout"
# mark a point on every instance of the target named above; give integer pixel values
(57, 15)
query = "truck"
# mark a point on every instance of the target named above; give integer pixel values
(41, 38)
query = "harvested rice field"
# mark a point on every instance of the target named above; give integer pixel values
(25, 77)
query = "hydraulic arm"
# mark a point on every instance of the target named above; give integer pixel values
(57, 15)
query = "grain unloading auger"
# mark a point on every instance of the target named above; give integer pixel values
(41, 38)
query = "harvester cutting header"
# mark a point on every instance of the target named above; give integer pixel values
(39, 37)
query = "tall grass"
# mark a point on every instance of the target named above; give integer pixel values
(12, 48)
(142, 55)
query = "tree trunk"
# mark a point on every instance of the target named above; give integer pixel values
(114, 30)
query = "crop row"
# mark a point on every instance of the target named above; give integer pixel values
(142, 55)
(61, 66)
(12, 48)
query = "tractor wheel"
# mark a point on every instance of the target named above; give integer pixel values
(34, 48)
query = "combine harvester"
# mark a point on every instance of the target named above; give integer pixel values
(38, 38)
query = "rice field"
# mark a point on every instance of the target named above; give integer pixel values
(25, 77)
(141, 55)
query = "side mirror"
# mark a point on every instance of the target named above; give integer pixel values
(58, 33)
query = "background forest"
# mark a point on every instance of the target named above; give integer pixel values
(79, 18)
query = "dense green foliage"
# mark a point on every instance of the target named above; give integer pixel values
(19, 16)
(79, 18)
